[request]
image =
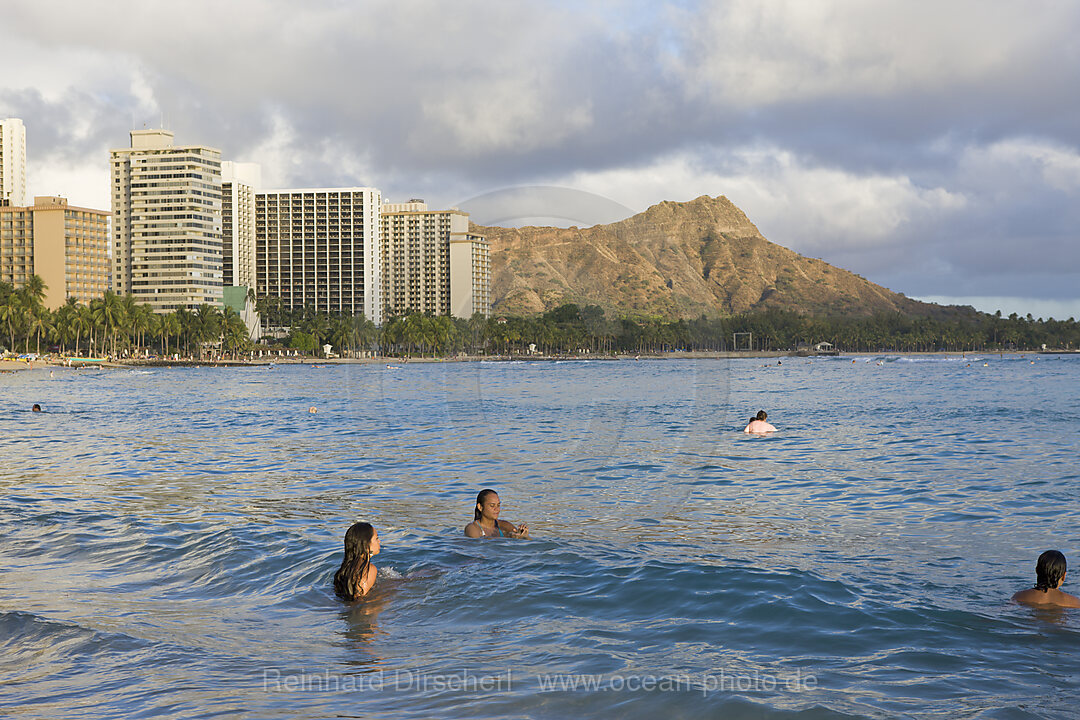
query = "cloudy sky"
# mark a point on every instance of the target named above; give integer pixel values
(932, 147)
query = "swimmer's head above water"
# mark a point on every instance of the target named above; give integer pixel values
(1049, 575)
(486, 522)
(487, 499)
(1050, 570)
(356, 575)
(758, 424)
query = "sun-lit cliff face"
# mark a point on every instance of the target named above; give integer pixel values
(673, 260)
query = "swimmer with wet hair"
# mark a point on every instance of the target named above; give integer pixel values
(486, 522)
(36, 408)
(1049, 576)
(356, 575)
(758, 426)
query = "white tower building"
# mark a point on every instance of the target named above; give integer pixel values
(12, 162)
(239, 181)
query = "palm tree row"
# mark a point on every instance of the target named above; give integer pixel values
(115, 325)
(119, 326)
(570, 329)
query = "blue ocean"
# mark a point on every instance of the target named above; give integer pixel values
(170, 537)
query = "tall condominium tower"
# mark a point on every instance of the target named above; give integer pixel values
(12, 162)
(238, 184)
(319, 248)
(65, 246)
(167, 222)
(470, 275)
(419, 250)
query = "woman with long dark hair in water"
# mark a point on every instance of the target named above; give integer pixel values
(1049, 575)
(356, 575)
(486, 522)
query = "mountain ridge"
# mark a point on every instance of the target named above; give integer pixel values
(675, 259)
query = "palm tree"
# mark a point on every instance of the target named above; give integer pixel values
(170, 327)
(344, 333)
(34, 289)
(31, 297)
(62, 331)
(316, 324)
(206, 325)
(109, 315)
(40, 324)
(154, 323)
(234, 331)
(140, 319)
(10, 313)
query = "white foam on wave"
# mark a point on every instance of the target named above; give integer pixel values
(390, 573)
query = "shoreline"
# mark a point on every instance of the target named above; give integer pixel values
(10, 365)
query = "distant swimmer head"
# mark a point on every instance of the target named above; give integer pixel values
(1049, 570)
(361, 544)
(36, 408)
(487, 503)
(761, 415)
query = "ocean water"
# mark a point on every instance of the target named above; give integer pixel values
(170, 536)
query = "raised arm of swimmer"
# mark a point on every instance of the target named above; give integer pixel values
(486, 522)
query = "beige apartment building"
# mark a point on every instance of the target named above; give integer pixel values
(12, 162)
(319, 248)
(239, 182)
(470, 275)
(166, 199)
(66, 246)
(432, 263)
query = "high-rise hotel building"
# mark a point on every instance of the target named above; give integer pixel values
(166, 203)
(320, 249)
(432, 263)
(470, 275)
(12, 162)
(239, 182)
(66, 246)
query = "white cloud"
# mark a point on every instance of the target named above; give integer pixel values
(752, 52)
(85, 184)
(501, 116)
(804, 207)
(1024, 161)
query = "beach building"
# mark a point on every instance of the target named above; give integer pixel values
(66, 246)
(239, 181)
(166, 202)
(432, 263)
(319, 248)
(12, 162)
